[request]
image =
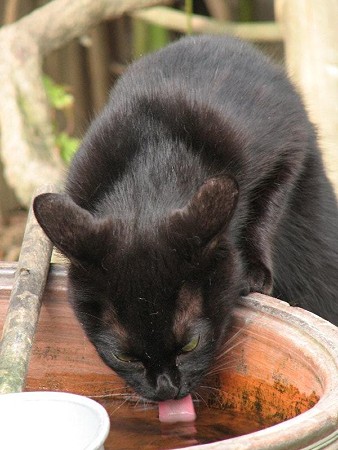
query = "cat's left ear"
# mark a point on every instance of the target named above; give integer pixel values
(208, 213)
(73, 230)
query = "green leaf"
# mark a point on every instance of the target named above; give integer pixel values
(68, 146)
(57, 94)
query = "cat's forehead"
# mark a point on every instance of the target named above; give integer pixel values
(160, 318)
(146, 266)
(149, 291)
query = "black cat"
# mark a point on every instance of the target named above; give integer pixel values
(200, 181)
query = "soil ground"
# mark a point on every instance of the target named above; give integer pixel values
(11, 234)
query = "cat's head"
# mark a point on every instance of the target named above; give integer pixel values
(156, 306)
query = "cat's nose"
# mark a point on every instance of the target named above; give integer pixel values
(165, 389)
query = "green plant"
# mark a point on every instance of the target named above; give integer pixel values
(189, 8)
(60, 99)
(148, 37)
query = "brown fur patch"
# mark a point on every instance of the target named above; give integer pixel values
(109, 317)
(189, 308)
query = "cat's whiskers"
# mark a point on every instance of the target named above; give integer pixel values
(146, 404)
(269, 342)
(220, 371)
(222, 361)
(110, 395)
(227, 349)
(225, 361)
(111, 392)
(197, 394)
(214, 389)
(118, 407)
(137, 402)
(234, 336)
(109, 386)
(211, 388)
(222, 367)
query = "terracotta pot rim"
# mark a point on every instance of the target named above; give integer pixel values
(319, 422)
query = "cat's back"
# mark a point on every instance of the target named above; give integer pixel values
(186, 85)
(222, 74)
(210, 64)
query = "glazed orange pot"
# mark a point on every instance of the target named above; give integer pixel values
(287, 370)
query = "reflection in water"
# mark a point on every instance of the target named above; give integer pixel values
(137, 427)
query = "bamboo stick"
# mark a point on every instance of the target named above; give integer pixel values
(24, 305)
(177, 21)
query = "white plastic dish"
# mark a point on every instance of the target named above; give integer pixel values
(53, 421)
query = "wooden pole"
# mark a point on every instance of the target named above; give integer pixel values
(24, 305)
(310, 29)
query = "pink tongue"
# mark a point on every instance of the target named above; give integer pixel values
(172, 411)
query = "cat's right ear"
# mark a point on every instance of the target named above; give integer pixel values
(73, 230)
(203, 220)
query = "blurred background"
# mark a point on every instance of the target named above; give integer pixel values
(89, 66)
(78, 77)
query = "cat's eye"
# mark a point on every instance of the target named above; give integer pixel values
(124, 357)
(191, 345)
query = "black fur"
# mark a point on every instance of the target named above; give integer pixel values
(200, 181)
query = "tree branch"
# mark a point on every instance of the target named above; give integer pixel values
(60, 21)
(27, 142)
(177, 20)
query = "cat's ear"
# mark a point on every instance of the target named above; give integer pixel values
(73, 230)
(208, 213)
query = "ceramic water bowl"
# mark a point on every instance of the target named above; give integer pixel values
(51, 420)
